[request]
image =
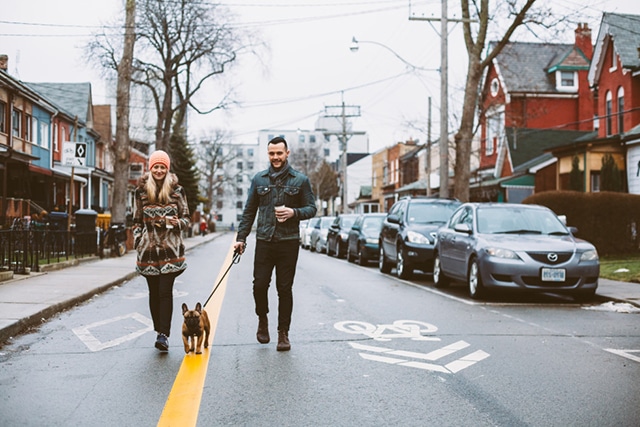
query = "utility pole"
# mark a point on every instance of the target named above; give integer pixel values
(444, 93)
(428, 166)
(344, 112)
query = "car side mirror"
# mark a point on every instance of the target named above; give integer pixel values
(462, 228)
(393, 219)
(356, 227)
(573, 230)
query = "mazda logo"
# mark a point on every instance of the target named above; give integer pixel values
(552, 257)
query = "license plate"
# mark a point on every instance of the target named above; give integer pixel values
(553, 274)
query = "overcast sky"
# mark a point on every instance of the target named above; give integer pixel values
(309, 65)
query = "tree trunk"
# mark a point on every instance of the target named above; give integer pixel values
(122, 147)
(464, 136)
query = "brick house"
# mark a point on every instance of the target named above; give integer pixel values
(536, 91)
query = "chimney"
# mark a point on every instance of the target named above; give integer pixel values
(583, 40)
(4, 62)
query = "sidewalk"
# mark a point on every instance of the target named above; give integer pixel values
(26, 301)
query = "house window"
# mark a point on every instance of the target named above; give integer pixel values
(301, 138)
(17, 123)
(620, 110)
(28, 128)
(250, 152)
(239, 178)
(494, 132)
(566, 80)
(327, 152)
(609, 114)
(135, 170)
(239, 166)
(312, 138)
(239, 205)
(250, 166)
(44, 135)
(3, 117)
(595, 182)
(495, 87)
(55, 137)
(239, 192)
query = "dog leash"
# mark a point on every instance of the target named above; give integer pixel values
(235, 260)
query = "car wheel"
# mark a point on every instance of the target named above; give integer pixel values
(402, 269)
(361, 259)
(328, 249)
(476, 290)
(339, 249)
(318, 247)
(350, 258)
(383, 264)
(439, 278)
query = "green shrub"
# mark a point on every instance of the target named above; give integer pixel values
(609, 220)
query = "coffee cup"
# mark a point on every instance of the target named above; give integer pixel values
(279, 210)
(168, 223)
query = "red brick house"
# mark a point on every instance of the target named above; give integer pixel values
(614, 77)
(529, 87)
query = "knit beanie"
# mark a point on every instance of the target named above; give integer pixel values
(161, 157)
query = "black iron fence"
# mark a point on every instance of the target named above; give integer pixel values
(23, 251)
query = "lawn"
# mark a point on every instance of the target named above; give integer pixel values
(614, 268)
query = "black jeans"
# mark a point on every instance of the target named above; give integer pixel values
(161, 301)
(282, 255)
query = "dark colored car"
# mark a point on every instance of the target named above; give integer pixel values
(514, 247)
(338, 234)
(362, 241)
(408, 234)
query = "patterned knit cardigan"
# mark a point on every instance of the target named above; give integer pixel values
(160, 249)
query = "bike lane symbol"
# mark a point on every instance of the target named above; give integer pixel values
(413, 330)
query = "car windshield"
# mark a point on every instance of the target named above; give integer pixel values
(518, 220)
(372, 226)
(326, 222)
(347, 222)
(430, 213)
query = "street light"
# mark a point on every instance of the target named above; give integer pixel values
(354, 48)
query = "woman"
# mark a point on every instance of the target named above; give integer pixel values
(161, 213)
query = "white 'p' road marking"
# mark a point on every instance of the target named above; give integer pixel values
(94, 344)
(403, 356)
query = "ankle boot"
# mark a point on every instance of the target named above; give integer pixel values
(263, 330)
(283, 341)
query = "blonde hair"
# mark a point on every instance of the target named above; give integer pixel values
(159, 195)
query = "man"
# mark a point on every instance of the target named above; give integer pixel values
(282, 197)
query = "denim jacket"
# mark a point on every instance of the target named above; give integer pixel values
(293, 192)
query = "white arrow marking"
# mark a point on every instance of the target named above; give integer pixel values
(453, 367)
(94, 344)
(625, 353)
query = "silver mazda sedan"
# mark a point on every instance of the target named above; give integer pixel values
(515, 247)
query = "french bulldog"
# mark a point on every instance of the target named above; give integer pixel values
(196, 326)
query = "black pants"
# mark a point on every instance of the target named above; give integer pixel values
(283, 256)
(161, 301)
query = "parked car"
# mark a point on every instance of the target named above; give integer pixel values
(302, 226)
(318, 240)
(408, 233)
(305, 233)
(339, 233)
(514, 247)
(362, 240)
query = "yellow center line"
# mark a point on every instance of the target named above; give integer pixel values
(183, 403)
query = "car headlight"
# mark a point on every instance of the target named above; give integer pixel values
(344, 236)
(371, 240)
(590, 255)
(414, 237)
(502, 253)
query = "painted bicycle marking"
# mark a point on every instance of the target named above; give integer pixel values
(399, 329)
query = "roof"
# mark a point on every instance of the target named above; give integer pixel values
(623, 29)
(525, 67)
(74, 98)
(528, 144)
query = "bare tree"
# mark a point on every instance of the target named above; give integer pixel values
(215, 154)
(519, 13)
(307, 160)
(122, 148)
(324, 182)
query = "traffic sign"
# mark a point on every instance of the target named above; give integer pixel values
(74, 154)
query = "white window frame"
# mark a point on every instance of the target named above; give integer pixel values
(560, 81)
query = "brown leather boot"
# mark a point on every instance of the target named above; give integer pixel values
(283, 341)
(263, 330)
